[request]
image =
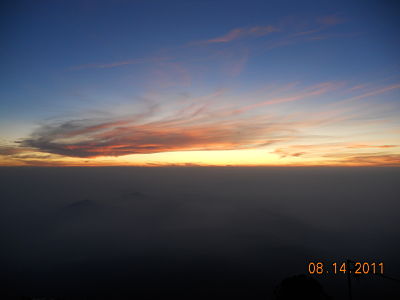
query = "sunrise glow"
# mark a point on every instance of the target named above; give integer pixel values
(311, 89)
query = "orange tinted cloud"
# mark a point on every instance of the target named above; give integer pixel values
(152, 139)
(358, 146)
(371, 159)
(213, 123)
(199, 125)
(341, 153)
(176, 133)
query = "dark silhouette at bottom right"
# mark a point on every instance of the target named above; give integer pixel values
(300, 287)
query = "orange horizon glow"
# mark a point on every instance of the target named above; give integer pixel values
(223, 158)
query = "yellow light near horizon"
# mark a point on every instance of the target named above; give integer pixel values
(203, 158)
(218, 158)
(245, 157)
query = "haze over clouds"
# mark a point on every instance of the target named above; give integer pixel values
(113, 232)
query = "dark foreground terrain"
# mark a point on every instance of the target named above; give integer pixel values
(194, 232)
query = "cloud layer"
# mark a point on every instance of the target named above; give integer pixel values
(199, 124)
(210, 123)
(175, 133)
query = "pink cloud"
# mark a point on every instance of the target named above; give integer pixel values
(361, 146)
(330, 20)
(308, 93)
(230, 36)
(238, 33)
(199, 125)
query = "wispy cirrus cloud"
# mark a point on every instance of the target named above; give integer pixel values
(235, 61)
(343, 153)
(294, 31)
(367, 159)
(210, 123)
(330, 20)
(121, 63)
(242, 32)
(197, 125)
(338, 149)
(363, 146)
(373, 92)
(308, 93)
(172, 134)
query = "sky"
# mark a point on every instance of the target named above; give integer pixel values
(208, 83)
